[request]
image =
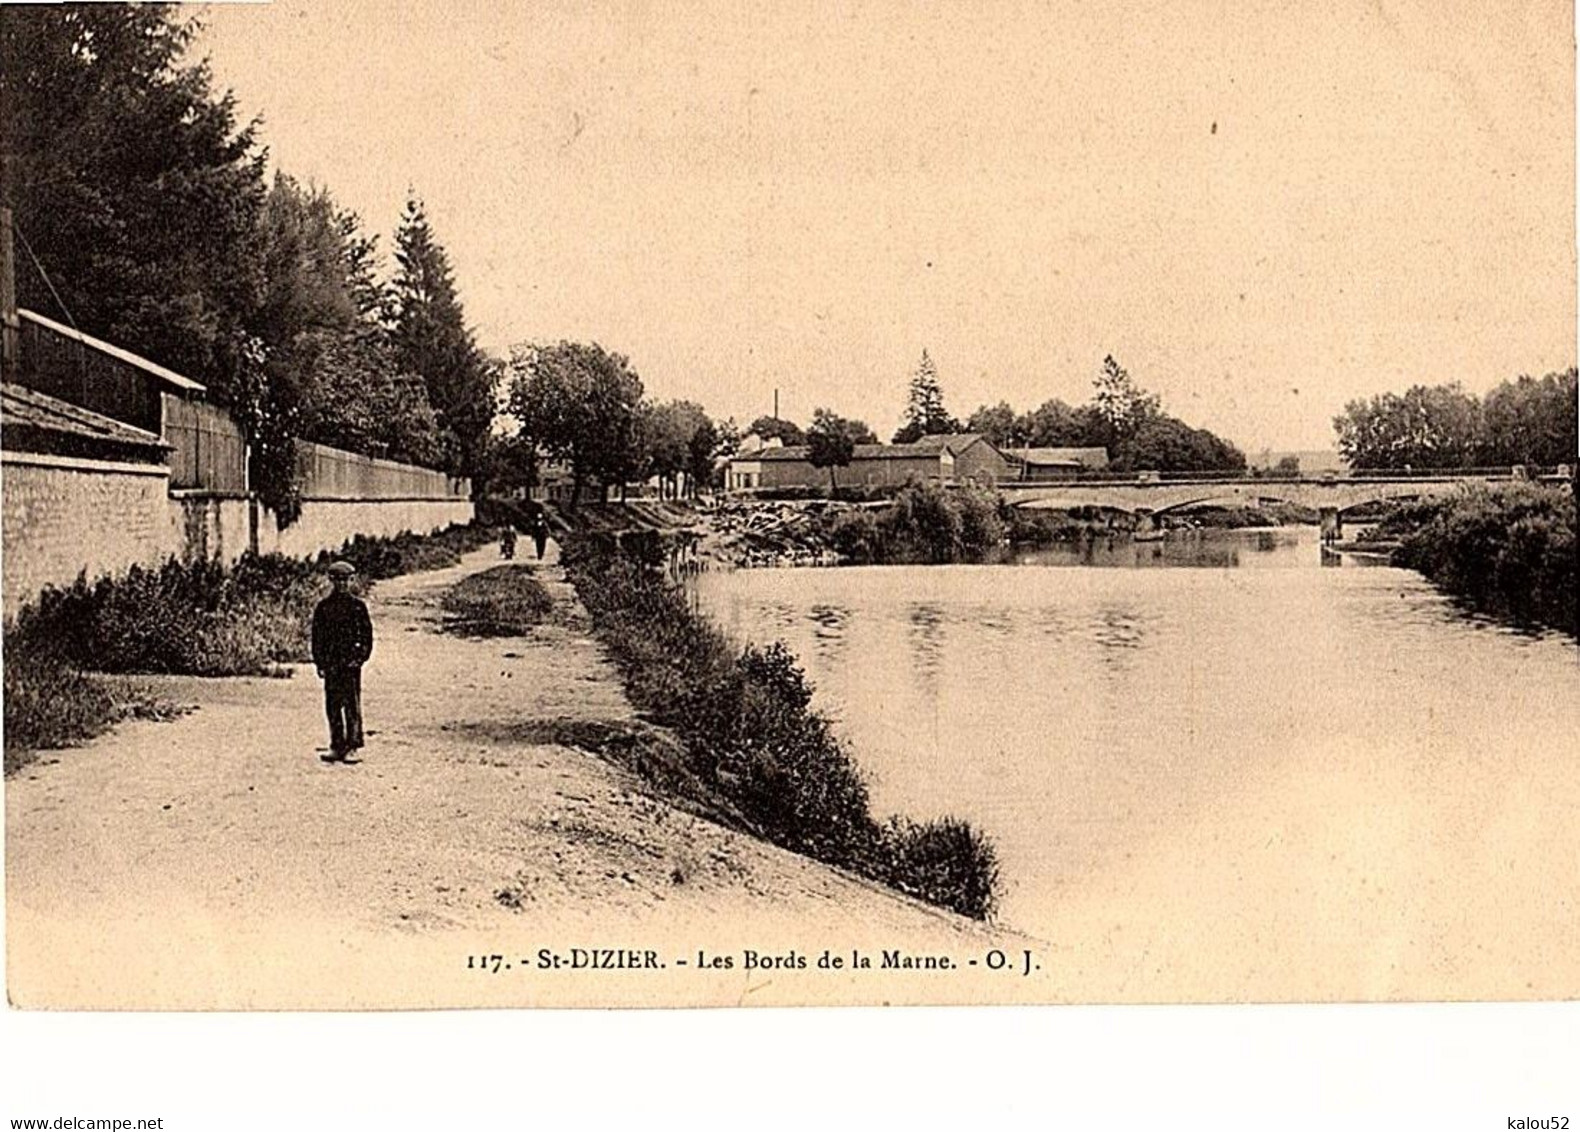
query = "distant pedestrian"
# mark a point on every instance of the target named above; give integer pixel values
(342, 643)
(540, 532)
(507, 541)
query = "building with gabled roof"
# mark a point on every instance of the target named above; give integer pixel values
(956, 458)
(1056, 463)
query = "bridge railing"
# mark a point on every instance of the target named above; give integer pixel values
(1107, 478)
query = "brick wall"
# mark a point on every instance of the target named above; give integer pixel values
(63, 516)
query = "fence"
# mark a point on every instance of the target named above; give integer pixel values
(208, 450)
(58, 362)
(332, 474)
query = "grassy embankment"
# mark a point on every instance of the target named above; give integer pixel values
(750, 734)
(1508, 551)
(198, 618)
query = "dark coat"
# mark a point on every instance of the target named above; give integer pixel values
(342, 633)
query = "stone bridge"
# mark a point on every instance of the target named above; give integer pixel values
(1329, 497)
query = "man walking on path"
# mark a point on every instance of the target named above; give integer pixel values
(342, 643)
(540, 531)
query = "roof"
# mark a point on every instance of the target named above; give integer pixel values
(169, 377)
(27, 409)
(953, 442)
(862, 452)
(1077, 457)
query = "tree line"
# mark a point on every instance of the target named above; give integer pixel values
(146, 216)
(586, 408)
(1121, 417)
(1528, 420)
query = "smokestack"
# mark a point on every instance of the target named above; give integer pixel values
(776, 403)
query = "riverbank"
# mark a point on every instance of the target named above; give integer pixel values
(215, 862)
(925, 523)
(1509, 552)
(750, 739)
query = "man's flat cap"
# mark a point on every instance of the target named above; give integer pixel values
(341, 569)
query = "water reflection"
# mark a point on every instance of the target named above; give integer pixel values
(1132, 736)
(926, 636)
(832, 629)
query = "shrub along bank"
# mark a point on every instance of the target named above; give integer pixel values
(924, 523)
(745, 719)
(189, 618)
(1507, 551)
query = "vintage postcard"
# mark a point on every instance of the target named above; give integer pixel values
(723, 504)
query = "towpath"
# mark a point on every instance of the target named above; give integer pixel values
(216, 862)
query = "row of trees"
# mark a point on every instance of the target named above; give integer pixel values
(586, 407)
(1525, 421)
(1122, 417)
(146, 216)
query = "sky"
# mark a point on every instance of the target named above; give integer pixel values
(1262, 210)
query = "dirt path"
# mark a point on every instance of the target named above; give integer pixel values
(215, 861)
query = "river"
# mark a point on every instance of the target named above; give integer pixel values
(1214, 769)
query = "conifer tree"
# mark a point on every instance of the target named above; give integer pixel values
(925, 414)
(431, 339)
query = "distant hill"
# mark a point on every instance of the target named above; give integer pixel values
(1311, 459)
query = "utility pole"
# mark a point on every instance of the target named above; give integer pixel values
(776, 402)
(11, 330)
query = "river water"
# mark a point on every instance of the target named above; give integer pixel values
(1213, 768)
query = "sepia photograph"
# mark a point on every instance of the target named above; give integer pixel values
(780, 504)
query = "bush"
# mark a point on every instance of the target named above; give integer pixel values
(1507, 551)
(749, 730)
(205, 619)
(858, 536)
(944, 862)
(48, 705)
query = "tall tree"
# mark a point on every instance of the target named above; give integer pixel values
(669, 433)
(330, 360)
(133, 185)
(829, 442)
(580, 404)
(1531, 421)
(431, 339)
(1425, 427)
(1120, 402)
(702, 453)
(925, 414)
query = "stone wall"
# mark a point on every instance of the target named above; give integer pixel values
(325, 524)
(64, 516)
(223, 527)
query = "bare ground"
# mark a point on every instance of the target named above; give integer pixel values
(216, 862)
